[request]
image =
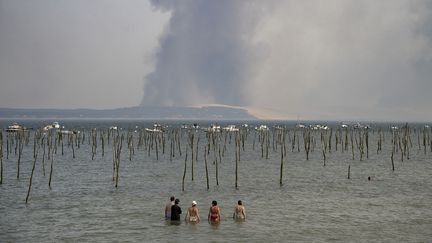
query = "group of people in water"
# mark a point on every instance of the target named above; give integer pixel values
(173, 211)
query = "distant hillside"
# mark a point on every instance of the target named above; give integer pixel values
(143, 112)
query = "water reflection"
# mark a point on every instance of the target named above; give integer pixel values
(175, 222)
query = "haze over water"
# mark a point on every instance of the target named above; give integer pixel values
(315, 202)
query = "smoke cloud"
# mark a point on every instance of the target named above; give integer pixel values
(205, 53)
(310, 59)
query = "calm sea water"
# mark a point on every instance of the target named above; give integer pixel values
(315, 203)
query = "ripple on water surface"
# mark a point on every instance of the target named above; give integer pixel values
(315, 203)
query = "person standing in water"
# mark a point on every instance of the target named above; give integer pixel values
(192, 214)
(168, 207)
(214, 213)
(239, 211)
(176, 211)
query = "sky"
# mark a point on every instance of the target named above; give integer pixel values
(336, 59)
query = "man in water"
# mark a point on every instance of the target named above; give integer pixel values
(176, 211)
(239, 211)
(214, 213)
(168, 208)
(192, 214)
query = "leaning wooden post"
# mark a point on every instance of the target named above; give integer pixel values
(184, 171)
(118, 153)
(52, 162)
(35, 154)
(281, 167)
(206, 167)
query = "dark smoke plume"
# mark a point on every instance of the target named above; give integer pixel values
(204, 54)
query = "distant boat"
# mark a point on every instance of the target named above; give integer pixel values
(231, 128)
(300, 126)
(213, 128)
(361, 126)
(156, 128)
(54, 125)
(262, 128)
(193, 126)
(15, 127)
(319, 127)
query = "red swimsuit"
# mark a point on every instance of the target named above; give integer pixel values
(214, 214)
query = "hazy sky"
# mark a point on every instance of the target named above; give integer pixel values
(336, 59)
(76, 53)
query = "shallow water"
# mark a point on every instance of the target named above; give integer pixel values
(315, 203)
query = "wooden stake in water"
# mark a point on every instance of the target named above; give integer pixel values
(73, 144)
(191, 144)
(237, 151)
(206, 167)
(102, 138)
(349, 171)
(217, 166)
(393, 150)
(117, 161)
(352, 144)
(184, 171)
(52, 163)
(281, 168)
(20, 144)
(44, 141)
(35, 154)
(323, 147)
(7, 145)
(307, 142)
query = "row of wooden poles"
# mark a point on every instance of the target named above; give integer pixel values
(214, 148)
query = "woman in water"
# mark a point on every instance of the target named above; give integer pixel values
(192, 214)
(239, 211)
(214, 213)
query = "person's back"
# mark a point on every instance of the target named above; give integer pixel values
(239, 211)
(192, 214)
(176, 210)
(168, 207)
(214, 213)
